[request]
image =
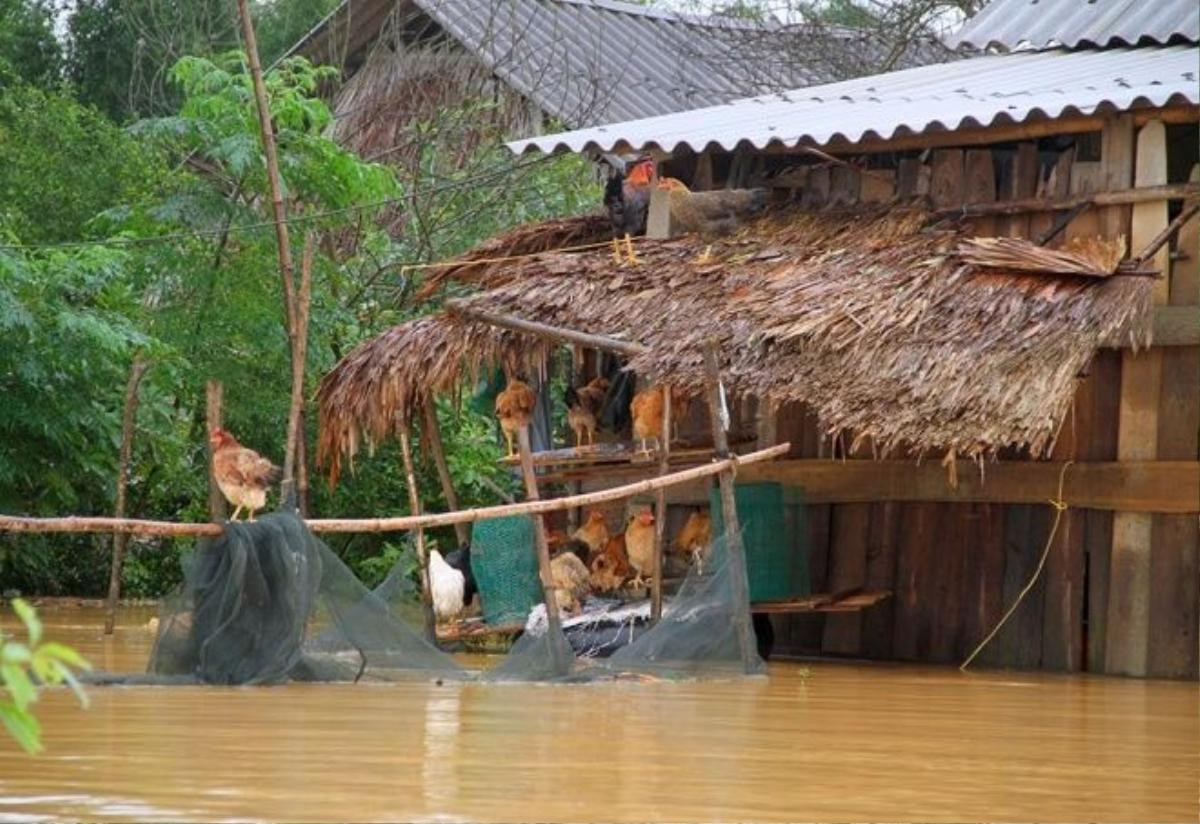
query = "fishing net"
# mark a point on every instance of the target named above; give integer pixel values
(268, 602)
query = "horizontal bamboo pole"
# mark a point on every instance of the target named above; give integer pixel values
(14, 523)
(1143, 194)
(545, 330)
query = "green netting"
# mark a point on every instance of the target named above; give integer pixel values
(775, 535)
(505, 567)
(268, 602)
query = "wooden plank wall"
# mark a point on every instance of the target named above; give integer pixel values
(954, 568)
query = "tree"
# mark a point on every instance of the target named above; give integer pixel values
(27, 42)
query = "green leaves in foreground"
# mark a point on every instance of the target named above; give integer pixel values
(24, 668)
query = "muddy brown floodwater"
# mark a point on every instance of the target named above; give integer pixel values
(847, 743)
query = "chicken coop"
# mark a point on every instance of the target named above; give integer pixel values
(971, 306)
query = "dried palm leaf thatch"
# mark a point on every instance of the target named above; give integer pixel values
(869, 317)
(1085, 256)
(491, 262)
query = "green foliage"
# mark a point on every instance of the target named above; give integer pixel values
(27, 42)
(24, 668)
(61, 163)
(280, 24)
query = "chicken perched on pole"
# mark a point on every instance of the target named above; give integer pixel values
(627, 200)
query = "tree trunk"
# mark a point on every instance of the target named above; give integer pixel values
(136, 372)
(214, 394)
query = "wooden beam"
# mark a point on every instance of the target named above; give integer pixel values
(558, 655)
(19, 523)
(1137, 435)
(137, 371)
(660, 510)
(1138, 486)
(992, 134)
(735, 553)
(414, 505)
(544, 330)
(213, 395)
(433, 441)
(1140, 194)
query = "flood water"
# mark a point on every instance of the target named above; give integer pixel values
(845, 743)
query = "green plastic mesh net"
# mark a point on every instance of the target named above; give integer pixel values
(268, 602)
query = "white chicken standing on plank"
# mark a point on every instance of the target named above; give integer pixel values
(447, 585)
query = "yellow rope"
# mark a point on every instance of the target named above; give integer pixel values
(508, 258)
(1060, 506)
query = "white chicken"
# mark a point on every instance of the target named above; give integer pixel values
(446, 584)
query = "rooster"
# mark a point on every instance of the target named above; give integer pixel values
(583, 408)
(447, 585)
(242, 474)
(627, 200)
(514, 409)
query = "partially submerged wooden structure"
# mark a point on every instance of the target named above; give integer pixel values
(935, 404)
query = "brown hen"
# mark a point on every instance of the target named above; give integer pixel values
(514, 409)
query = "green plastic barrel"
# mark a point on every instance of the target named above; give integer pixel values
(775, 535)
(505, 567)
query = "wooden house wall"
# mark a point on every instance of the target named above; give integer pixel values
(1119, 591)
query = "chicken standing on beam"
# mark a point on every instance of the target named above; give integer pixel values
(514, 409)
(242, 474)
(627, 200)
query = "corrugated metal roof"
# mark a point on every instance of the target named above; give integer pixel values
(965, 94)
(598, 61)
(1071, 23)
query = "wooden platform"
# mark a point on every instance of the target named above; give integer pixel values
(836, 602)
(475, 630)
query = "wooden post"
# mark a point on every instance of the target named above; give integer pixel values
(1137, 437)
(414, 504)
(136, 372)
(213, 396)
(433, 440)
(660, 511)
(736, 556)
(299, 340)
(561, 664)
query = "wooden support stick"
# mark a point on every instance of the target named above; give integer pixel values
(736, 557)
(299, 341)
(561, 665)
(129, 418)
(213, 393)
(660, 511)
(433, 440)
(1162, 237)
(17, 523)
(1143, 194)
(545, 330)
(414, 504)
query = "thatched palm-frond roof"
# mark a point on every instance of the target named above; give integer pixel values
(871, 318)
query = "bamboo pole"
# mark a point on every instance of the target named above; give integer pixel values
(17, 523)
(733, 534)
(299, 340)
(137, 371)
(561, 665)
(433, 440)
(545, 330)
(660, 511)
(414, 504)
(286, 267)
(213, 396)
(1142, 194)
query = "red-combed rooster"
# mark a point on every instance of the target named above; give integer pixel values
(243, 475)
(627, 200)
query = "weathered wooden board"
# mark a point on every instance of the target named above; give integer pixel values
(915, 553)
(844, 185)
(847, 570)
(946, 183)
(980, 187)
(882, 538)
(878, 186)
(1175, 539)
(1024, 180)
(983, 602)
(942, 611)
(1137, 439)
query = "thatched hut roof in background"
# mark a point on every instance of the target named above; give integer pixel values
(871, 318)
